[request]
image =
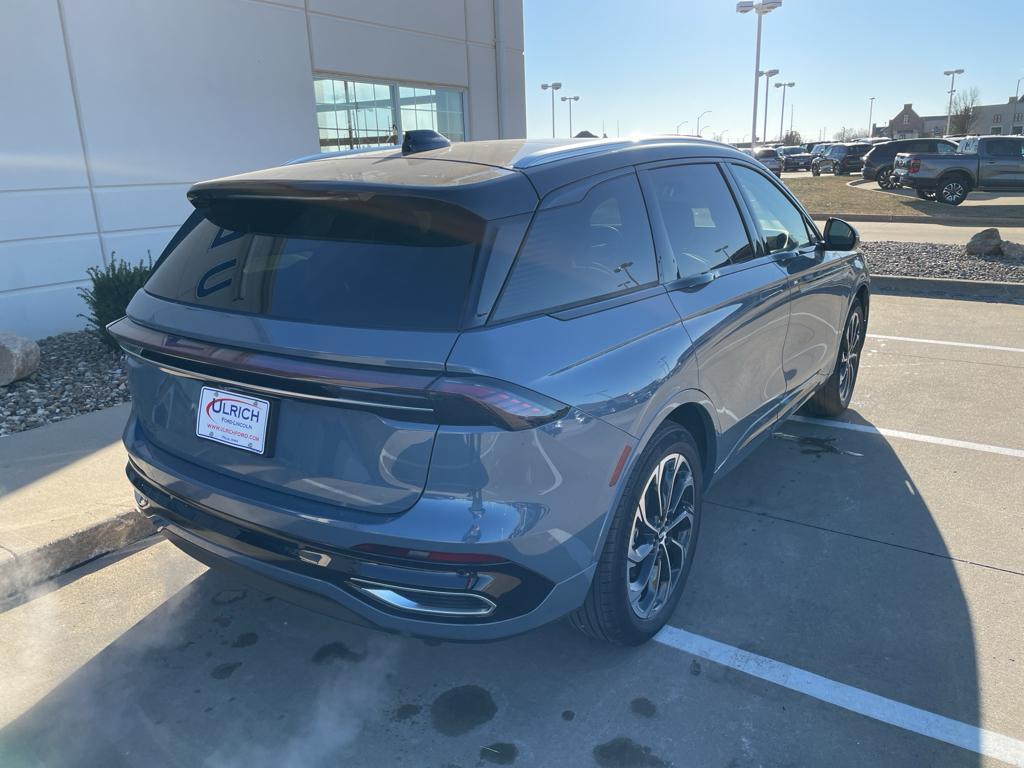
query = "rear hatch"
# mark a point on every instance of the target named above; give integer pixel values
(298, 341)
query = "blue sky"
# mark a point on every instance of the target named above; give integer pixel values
(652, 63)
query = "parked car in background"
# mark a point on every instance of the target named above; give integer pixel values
(986, 163)
(878, 163)
(769, 157)
(819, 148)
(463, 390)
(795, 158)
(840, 159)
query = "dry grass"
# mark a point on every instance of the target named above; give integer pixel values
(830, 194)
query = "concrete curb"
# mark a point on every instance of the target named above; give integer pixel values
(972, 290)
(900, 219)
(70, 550)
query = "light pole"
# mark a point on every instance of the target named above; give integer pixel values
(951, 73)
(570, 99)
(1016, 94)
(760, 8)
(680, 125)
(703, 129)
(705, 112)
(554, 87)
(871, 112)
(782, 114)
(768, 75)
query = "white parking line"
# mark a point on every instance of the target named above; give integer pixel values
(945, 343)
(1015, 452)
(920, 721)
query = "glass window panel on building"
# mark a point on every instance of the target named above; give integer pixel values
(353, 114)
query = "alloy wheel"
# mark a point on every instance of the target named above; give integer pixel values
(849, 357)
(660, 539)
(953, 192)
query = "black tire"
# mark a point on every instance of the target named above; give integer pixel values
(815, 170)
(952, 190)
(925, 195)
(835, 394)
(884, 177)
(608, 613)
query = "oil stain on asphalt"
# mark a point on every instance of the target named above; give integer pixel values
(643, 707)
(623, 752)
(245, 639)
(816, 446)
(224, 671)
(336, 651)
(460, 710)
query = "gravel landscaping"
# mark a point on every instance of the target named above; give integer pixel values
(77, 374)
(886, 257)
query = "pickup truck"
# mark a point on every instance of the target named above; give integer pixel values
(985, 163)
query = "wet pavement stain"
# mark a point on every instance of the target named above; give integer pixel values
(622, 752)
(568, 715)
(245, 639)
(694, 667)
(228, 596)
(406, 712)
(224, 671)
(460, 710)
(336, 651)
(643, 707)
(816, 446)
(222, 621)
(499, 753)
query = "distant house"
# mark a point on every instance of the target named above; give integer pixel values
(988, 119)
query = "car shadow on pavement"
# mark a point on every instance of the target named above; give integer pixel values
(818, 554)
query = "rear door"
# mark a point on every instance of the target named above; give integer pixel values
(730, 295)
(1002, 163)
(818, 279)
(338, 316)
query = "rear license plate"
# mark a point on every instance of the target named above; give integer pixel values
(233, 419)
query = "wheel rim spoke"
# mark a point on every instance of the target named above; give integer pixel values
(660, 535)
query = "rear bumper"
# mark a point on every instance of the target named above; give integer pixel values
(334, 582)
(914, 182)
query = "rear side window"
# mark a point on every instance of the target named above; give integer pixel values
(780, 221)
(700, 218)
(379, 263)
(944, 149)
(595, 247)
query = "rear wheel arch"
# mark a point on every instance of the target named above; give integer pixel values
(961, 176)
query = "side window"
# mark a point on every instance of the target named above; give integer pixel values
(585, 250)
(701, 221)
(781, 222)
(1004, 147)
(943, 148)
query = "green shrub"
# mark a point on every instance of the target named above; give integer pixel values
(112, 288)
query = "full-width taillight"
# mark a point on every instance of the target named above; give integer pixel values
(914, 167)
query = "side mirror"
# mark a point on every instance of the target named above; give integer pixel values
(840, 236)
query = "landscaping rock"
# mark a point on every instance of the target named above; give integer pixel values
(1013, 251)
(939, 260)
(985, 243)
(19, 357)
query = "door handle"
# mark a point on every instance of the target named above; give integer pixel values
(694, 283)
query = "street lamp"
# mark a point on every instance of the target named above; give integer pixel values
(782, 115)
(760, 8)
(1016, 94)
(554, 87)
(570, 99)
(768, 75)
(703, 129)
(705, 112)
(680, 125)
(871, 112)
(951, 73)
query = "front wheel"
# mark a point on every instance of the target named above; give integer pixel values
(650, 545)
(815, 170)
(952, 191)
(835, 394)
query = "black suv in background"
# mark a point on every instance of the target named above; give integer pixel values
(795, 158)
(840, 159)
(878, 162)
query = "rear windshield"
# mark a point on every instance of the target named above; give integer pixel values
(378, 262)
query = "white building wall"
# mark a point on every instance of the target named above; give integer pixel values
(112, 108)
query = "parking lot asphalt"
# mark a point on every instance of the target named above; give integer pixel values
(856, 599)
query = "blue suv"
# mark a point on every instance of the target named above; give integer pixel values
(463, 390)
